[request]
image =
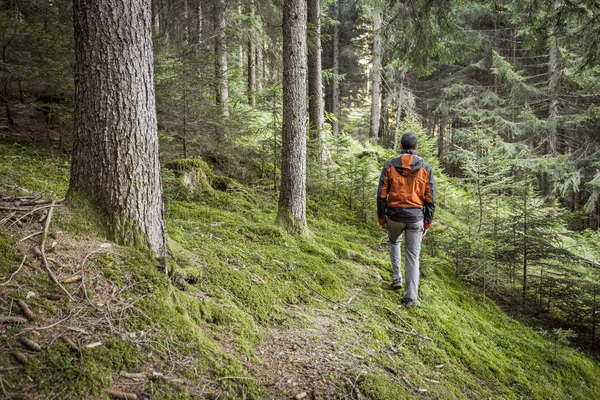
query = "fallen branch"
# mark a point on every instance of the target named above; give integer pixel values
(45, 260)
(15, 273)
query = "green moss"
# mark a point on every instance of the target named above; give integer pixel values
(7, 255)
(191, 176)
(378, 387)
(189, 164)
(27, 168)
(82, 217)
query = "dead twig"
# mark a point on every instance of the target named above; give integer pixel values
(52, 205)
(7, 218)
(30, 236)
(235, 377)
(54, 324)
(44, 259)
(88, 255)
(15, 273)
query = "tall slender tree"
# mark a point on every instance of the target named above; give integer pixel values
(115, 153)
(292, 196)
(376, 73)
(220, 27)
(335, 98)
(315, 90)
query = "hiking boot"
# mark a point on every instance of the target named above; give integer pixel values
(396, 284)
(411, 303)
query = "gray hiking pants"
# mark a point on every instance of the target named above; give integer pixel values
(413, 235)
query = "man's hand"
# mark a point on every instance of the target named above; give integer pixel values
(425, 232)
(383, 227)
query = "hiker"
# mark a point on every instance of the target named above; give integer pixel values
(405, 203)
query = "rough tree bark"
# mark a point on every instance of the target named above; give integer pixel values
(315, 90)
(115, 153)
(335, 101)
(292, 196)
(376, 74)
(222, 92)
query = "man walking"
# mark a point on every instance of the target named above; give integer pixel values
(405, 204)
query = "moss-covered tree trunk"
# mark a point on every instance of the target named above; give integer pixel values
(292, 197)
(115, 153)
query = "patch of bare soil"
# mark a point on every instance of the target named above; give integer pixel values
(313, 360)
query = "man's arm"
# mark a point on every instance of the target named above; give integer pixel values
(429, 201)
(382, 193)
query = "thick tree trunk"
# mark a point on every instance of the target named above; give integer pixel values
(292, 197)
(115, 153)
(376, 74)
(335, 98)
(222, 93)
(315, 90)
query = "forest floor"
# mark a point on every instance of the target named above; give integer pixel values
(246, 310)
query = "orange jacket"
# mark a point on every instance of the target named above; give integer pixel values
(406, 190)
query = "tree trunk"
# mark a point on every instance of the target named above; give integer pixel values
(222, 93)
(315, 90)
(186, 22)
(259, 67)
(384, 119)
(251, 72)
(199, 22)
(376, 75)
(553, 76)
(115, 153)
(292, 196)
(335, 98)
